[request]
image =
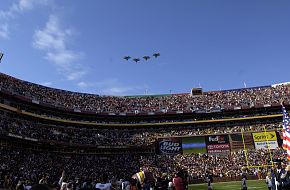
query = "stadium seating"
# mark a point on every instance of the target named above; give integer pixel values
(39, 136)
(209, 101)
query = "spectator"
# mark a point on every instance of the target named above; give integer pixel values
(178, 182)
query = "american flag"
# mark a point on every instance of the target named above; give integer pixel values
(286, 132)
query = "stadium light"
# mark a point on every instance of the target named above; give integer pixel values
(1, 55)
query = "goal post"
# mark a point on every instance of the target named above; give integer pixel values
(268, 148)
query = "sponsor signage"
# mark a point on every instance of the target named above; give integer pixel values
(218, 149)
(217, 139)
(261, 137)
(170, 146)
(266, 140)
(218, 144)
(265, 144)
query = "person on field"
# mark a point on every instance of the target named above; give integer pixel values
(104, 184)
(269, 181)
(276, 175)
(285, 179)
(178, 182)
(244, 179)
(208, 179)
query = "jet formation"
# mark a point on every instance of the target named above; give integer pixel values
(146, 57)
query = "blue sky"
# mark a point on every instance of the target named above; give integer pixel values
(79, 45)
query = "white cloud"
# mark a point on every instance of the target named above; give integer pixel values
(101, 84)
(82, 84)
(26, 5)
(63, 58)
(108, 82)
(46, 83)
(29, 4)
(117, 91)
(4, 32)
(75, 75)
(14, 10)
(53, 41)
(110, 86)
(52, 36)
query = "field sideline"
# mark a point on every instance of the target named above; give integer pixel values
(233, 185)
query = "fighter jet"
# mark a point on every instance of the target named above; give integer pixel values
(146, 57)
(127, 57)
(136, 59)
(156, 55)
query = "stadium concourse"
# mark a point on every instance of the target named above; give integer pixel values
(47, 134)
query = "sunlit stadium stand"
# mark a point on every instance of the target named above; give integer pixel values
(44, 131)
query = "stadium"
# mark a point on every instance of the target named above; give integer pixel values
(144, 95)
(45, 131)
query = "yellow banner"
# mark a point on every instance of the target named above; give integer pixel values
(259, 137)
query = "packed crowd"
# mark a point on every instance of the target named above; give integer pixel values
(230, 165)
(27, 128)
(181, 102)
(31, 167)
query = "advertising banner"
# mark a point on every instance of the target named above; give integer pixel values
(264, 145)
(218, 149)
(217, 139)
(169, 146)
(264, 139)
(261, 137)
(218, 144)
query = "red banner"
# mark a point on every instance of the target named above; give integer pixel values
(218, 149)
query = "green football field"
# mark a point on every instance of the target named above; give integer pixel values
(234, 185)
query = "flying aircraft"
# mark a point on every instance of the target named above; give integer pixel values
(156, 55)
(127, 57)
(146, 57)
(136, 59)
